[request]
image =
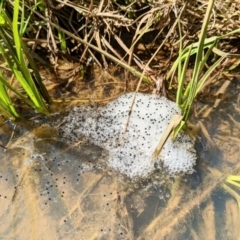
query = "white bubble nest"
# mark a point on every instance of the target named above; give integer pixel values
(131, 149)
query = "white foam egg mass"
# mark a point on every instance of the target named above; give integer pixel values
(131, 149)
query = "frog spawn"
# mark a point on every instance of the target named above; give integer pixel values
(131, 149)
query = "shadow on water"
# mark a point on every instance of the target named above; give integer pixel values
(49, 190)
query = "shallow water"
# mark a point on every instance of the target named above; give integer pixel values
(49, 190)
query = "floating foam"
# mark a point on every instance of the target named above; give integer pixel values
(131, 153)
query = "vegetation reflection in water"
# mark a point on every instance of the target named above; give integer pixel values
(59, 191)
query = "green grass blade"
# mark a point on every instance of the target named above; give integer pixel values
(6, 101)
(180, 49)
(15, 30)
(233, 193)
(37, 76)
(7, 85)
(207, 55)
(5, 111)
(182, 78)
(207, 74)
(198, 63)
(204, 31)
(184, 54)
(62, 40)
(201, 65)
(26, 87)
(233, 178)
(17, 57)
(25, 77)
(21, 27)
(2, 20)
(12, 62)
(190, 97)
(25, 23)
(236, 184)
(8, 51)
(230, 33)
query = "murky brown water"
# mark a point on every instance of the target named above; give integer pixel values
(49, 190)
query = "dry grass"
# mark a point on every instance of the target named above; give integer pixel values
(130, 31)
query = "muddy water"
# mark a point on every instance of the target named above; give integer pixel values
(49, 190)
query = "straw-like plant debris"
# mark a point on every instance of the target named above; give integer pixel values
(143, 37)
